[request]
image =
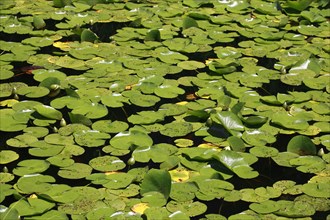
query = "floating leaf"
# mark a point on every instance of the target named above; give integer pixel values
(118, 180)
(31, 206)
(236, 163)
(31, 166)
(294, 209)
(265, 207)
(75, 171)
(37, 183)
(90, 138)
(131, 139)
(107, 163)
(189, 208)
(7, 156)
(48, 112)
(88, 35)
(301, 145)
(177, 129)
(156, 181)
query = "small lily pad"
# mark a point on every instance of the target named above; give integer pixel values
(75, 171)
(265, 207)
(177, 129)
(31, 166)
(131, 139)
(107, 163)
(7, 156)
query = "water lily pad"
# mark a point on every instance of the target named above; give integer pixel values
(107, 163)
(36, 131)
(5, 178)
(308, 164)
(258, 137)
(236, 163)
(30, 166)
(9, 123)
(90, 138)
(177, 129)
(7, 156)
(168, 90)
(301, 145)
(110, 126)
(118, 180)
(32, 206)
(34, 183)
(146, 117)
(75, 171)
(283, 158)
(230, 121)
(48, 112)
(265, 207)
(68, 62)
(131, 139)
(156, 181)
(294, 209)
(139, 99)
(33, 91)
(189, 208)
(191, 65)
(157, 153)
(264, 151)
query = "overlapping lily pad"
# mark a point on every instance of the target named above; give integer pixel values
(136, 109)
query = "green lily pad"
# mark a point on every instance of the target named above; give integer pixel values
(258, 137)
(154, 198)
(90, 138)
(118, 180)
(146, 117)
(7, 156)
(264, 151)
(9, 123)
(265, 207)
(36, 131)
(32, 206)
(319, 190)
(68, 62)
(181, 192)
(191, 65)
(294, 209)
(107, 163)
(177, 129)
(308, 164)
(108, 126)
(320, 204)
(33, 91)
(189, 208)
(168, 90)
(283, 158)
(230, 121)
(139, 99)
(30, 166)
(48, 112)
(156, 181)
(5, 178)
(157, 153)
(301, 145)
(75, 171)
(34, 183)
(131, 139)
(114, 100)
(236, 163)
